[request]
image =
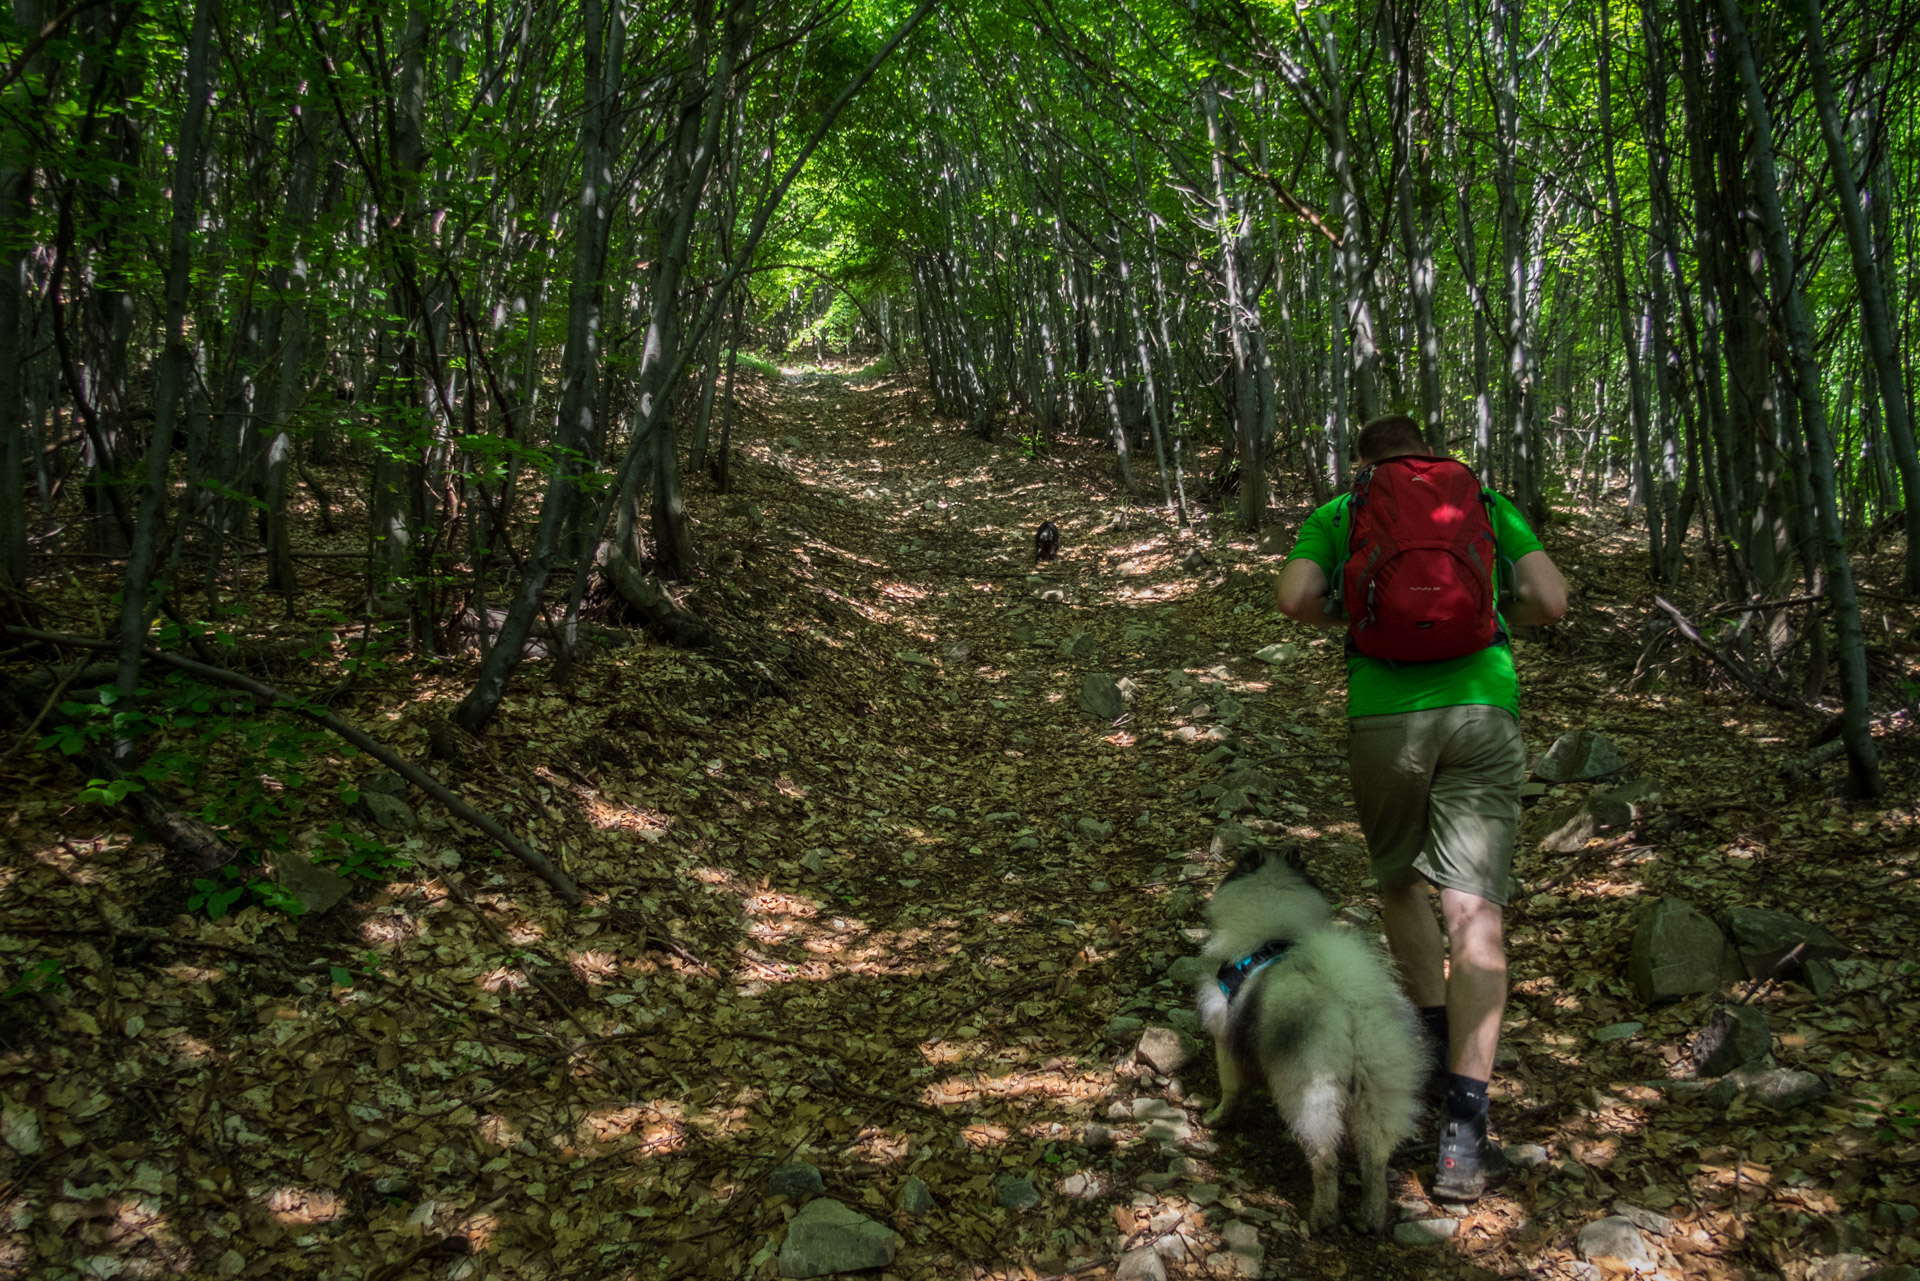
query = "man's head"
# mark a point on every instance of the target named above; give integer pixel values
(1389, 436)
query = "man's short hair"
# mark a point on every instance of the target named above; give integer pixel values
(1388, 436)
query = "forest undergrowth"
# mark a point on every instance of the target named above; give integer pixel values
(866, 889)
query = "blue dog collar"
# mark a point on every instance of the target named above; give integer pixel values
(1234, 974)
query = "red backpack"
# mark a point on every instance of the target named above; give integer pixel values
(1418, 581)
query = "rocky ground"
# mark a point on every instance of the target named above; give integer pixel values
(888, 900)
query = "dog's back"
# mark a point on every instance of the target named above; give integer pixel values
(1323, 1024)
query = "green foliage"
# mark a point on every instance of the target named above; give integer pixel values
(352, 855)
(43, 975)
(220, 893)
(759, 364)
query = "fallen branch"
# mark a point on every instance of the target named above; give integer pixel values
(535, 861)
(1813, 760)
(1734, 667)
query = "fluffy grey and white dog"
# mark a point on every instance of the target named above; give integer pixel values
(1312, 1008)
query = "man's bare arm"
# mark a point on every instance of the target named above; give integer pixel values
(1301, 594)
(1540, 593)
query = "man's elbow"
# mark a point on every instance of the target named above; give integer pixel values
(1297, 604)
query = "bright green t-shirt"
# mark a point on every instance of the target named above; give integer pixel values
(1376, 687)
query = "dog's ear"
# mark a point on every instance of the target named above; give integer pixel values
(1249, 860)
(1296, 858)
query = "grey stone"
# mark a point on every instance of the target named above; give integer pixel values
(1639, 793)
(916, 1198)
(1283, 652)
(1646, 1220)
(1166, 1050)
(1123, 1027)
(1820, 976)
(1569, 830)
(1246, 1257)
(1095, 829)
(1080, 1186)
(1763, 939)
(796, 1179)
(1527, 1156)
(1194, 560)
(1079, 645)
(1187, 969)
(1778, 1089)
(384, 783)
(1248, 778)
(1615, 1243)
(1617, 1031)
(1425, 1231)
(1164, 1122)
(1101, 697)
(1142, 1264)
(1735, 1037)
(1577, 756)
(317, 889)
(1096, 1136)
(1234, 802)
(1833, 1235)
(1677, 950)
(1016, 1193)
(1842, 1267)
(1186, 1020)
(389, 813)
(1895, 1216)
(1227, 839)
(826, 1239)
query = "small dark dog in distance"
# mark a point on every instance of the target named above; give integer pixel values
(1046, 540)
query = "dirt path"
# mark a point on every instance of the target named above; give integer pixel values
(869, 892)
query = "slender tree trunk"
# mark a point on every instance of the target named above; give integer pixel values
(16, 257)
(578, 371)
(1415, 243)
(175, 357)
(1253, 470)
(1623, 304)
(1876, 318)
(1862, 758)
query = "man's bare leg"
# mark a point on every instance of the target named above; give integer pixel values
(1476, 987)
(1413, 936)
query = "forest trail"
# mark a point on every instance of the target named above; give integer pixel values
(868, 892)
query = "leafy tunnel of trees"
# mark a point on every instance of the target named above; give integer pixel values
(493, 262)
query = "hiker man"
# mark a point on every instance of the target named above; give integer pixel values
(1409, 563)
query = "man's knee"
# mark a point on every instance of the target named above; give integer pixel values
(1473, 927)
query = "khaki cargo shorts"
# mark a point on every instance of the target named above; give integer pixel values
(1439, 796)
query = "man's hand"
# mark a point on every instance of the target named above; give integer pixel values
(1540, 594)
(1301, 594)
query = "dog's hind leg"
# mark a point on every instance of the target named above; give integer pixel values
(1313, 1115)
(1374, 1150)
(1379, 1118)
(1227, 1064)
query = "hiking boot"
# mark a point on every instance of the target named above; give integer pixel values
(1469, 1162)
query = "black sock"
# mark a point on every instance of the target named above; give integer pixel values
(1466, 1097)
(1434, 1019)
